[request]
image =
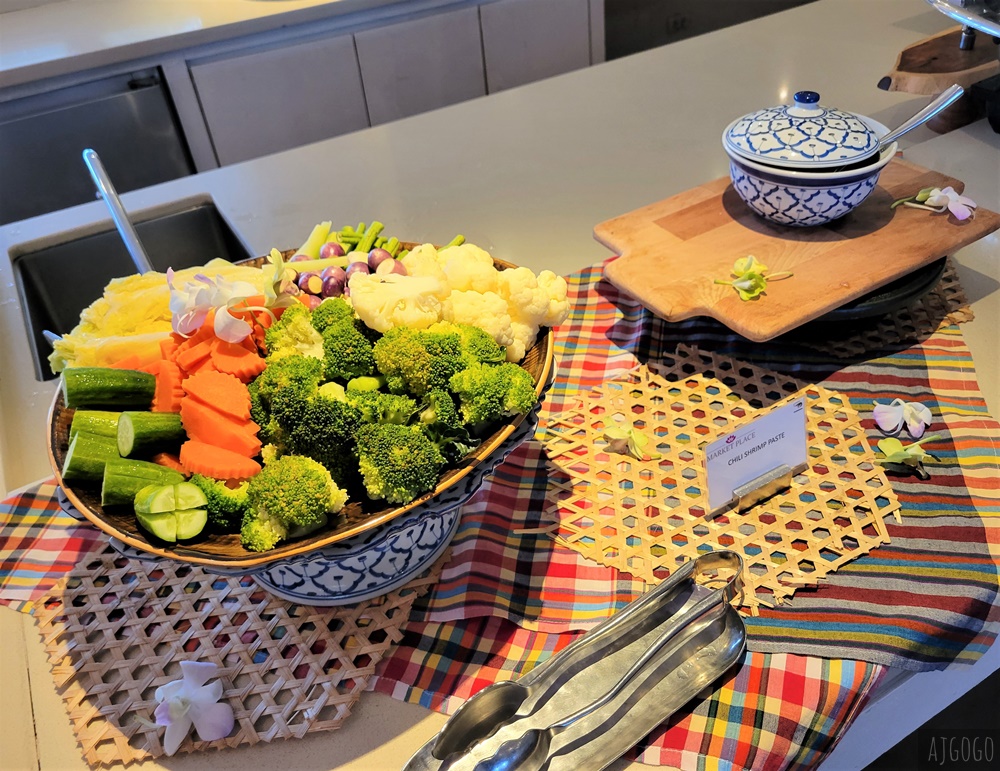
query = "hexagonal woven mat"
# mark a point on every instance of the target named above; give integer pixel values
(946, 303)
(644, 517)
(116, 628)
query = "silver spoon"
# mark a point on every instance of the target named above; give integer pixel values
(118, 214)
(529, 752)
(942, 101)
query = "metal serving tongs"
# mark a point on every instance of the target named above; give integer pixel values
(508, 700)
(530, 751)
(510, 724)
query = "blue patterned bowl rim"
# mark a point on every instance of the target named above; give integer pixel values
(803, 135)
(814, 179)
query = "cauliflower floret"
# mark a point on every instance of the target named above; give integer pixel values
(384, 302)
(469, 268)
(486, 310)
(555, 287)
(523, 338)
(423, 261)
(527, 300)
(534, 302)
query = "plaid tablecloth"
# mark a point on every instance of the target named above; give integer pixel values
(774, 711)
(39, 544)
(510, 597)
(926, 599)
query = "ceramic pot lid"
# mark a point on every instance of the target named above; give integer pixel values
(802, 135)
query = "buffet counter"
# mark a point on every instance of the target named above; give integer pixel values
(526, 174)
(60, 38)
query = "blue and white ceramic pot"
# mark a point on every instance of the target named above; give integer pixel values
(803, 164)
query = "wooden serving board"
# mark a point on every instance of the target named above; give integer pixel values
(672, 252)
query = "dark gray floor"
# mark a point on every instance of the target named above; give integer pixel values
(979, 709)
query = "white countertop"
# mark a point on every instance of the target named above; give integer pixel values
(526, 173)
(74, 35)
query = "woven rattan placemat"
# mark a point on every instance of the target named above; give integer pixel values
(946, 303)
(645, 517)
(116, 629)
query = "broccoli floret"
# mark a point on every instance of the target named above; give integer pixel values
(270, 452)
(326, 434)
(488, 392)
(365, 383)
(259, 413)
(380, 407)
(291, 496)
(226, 505)
(262, 532)
(293, 334)
(298, 372)
(418, 360)
(439, 409)
(329, 312)
(347, 353)
(279, 395)
(397, 463)
(332, 391)
(442, 424)
(477, 344)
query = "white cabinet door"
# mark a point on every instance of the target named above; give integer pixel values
(421, 64)
(527, 40)
(264, 102)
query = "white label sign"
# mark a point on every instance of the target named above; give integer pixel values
(777, 438)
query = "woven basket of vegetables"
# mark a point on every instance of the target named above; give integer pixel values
(281, 415)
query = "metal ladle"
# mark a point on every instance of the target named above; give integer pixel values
(124, 225)
(939, 103)
(529, 752)
(936, 105)
(118, 214)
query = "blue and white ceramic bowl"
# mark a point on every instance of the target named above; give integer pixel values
(804, 196)
(804, 199)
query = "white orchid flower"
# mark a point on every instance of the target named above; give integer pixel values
(191, 303)
(891, 417)
(189, 701)
(937, 200)
(948, 199)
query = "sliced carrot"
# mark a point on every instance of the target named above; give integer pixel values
(249, 302)
(216, 462)
(225, 392)
(258, 320)
(168, 346)
(132, 361)
(205, 332)
(249, 344)
(152, 367)
(169, 460)
(190, 358)
(168, 384)
(234, 359)
(208, 425)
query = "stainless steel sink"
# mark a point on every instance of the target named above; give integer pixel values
(55, 282)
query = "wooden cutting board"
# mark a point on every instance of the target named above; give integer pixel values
(673, 250)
